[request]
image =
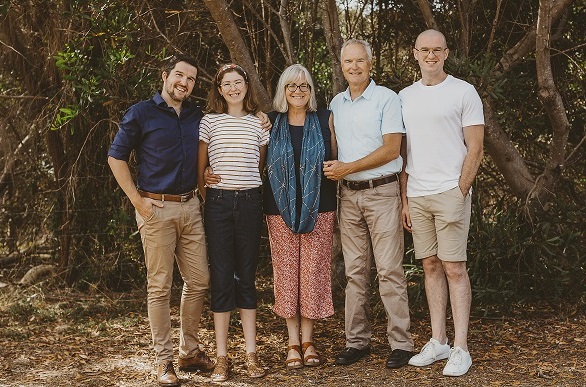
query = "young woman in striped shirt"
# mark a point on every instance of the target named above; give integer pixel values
(233, 143)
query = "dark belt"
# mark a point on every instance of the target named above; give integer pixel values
(167, 197)
(365, 184)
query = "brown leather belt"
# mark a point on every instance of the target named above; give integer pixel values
(167, 197)
(365, 184)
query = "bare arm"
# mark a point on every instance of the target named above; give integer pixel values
(262, 159)
(202, 163)
(333, 142)
(403, 178)
(121, 172)
(336, 170)
(474, 139)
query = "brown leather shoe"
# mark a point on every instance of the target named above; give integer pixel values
(166, 374)
(253, 367)
(199, 362)
(222, 370)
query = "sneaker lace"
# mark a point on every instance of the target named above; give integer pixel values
(428, 349)
(455, 356)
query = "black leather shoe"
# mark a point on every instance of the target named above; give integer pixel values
(399, 358)
(351, 355)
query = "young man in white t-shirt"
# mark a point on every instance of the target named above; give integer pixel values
(444, 125)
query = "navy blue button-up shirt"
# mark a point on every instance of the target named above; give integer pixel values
(166, 144)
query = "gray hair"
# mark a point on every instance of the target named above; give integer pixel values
(291, 74)
(363, 43)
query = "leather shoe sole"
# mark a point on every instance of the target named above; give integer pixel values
(399, 358)
(351, 355)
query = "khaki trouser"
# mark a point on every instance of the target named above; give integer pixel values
(175, 232)
(372, 217)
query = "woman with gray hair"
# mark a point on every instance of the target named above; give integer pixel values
(300, 205)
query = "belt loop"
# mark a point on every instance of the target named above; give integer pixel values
(162, 197)
(371, 184)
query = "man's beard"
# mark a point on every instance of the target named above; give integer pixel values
(174, 97)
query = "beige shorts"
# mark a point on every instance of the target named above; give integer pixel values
(440, 225)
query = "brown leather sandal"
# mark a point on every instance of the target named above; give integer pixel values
(311, 360)
(290, 362)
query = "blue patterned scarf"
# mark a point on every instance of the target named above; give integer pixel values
(281, 170)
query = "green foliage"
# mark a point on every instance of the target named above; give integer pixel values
(479, 72)
(27, 309)
(64, 116)
(512, 258)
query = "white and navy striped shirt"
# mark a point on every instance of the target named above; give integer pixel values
(234, 148)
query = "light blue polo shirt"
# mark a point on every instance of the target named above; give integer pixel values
(361, 124)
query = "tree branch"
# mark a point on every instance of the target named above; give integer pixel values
(527, 43)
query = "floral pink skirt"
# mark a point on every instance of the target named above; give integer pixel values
(302, 267)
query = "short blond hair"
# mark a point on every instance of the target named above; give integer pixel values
(291, 74)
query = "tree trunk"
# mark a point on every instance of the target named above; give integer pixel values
(553, 104)
(505, 155)
(425, 8)
(465, 10)
(333, 37)
(35, 274)
(239, 51)
(285, 22)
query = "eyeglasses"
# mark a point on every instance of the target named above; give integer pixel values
(292, 87)
(228, 85)
(436, 51)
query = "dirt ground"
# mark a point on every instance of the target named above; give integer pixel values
(62, 338)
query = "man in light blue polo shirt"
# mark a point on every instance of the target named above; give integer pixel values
(369, 129)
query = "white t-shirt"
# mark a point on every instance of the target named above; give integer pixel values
(234, 149)
(434, 118)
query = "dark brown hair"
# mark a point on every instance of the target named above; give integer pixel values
(170, 64)
(217, 103)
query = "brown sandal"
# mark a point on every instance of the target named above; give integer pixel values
(290, 362)
(253, 367)
(311, 360)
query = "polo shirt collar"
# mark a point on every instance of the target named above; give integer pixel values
(366, 94)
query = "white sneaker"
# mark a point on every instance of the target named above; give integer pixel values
(459, 362)
(430, 353)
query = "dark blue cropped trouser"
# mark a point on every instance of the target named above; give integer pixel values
(233, 222)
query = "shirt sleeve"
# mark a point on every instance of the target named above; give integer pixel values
(392, 119)
(204, 129)
(128, 136)
(473, 113)
(264, 137)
